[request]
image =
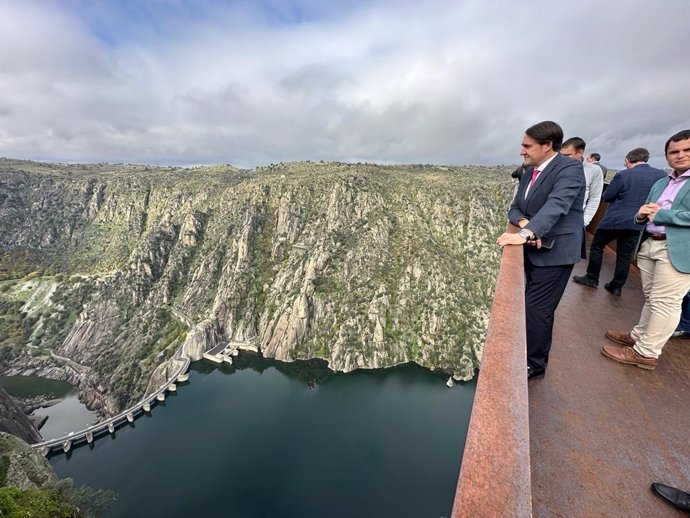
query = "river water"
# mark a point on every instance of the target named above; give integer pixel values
(269, 439)
(66, 416)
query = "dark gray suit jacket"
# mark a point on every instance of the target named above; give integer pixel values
(554, 209)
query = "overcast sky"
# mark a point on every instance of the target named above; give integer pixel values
(181, 82)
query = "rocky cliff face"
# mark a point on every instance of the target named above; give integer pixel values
(109, 269)
(14, 421)
(23, 467)
(30, 487)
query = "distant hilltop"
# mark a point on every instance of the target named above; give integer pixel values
(107, 269)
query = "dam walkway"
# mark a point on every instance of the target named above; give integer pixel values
(108, 426)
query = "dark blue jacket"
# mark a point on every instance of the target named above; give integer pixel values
(554, 209)
(626, 193)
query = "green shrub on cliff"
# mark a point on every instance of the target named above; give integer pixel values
(30, 488)
(35, 503)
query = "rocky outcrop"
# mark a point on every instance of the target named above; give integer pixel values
(360, 265)
(13, 420)
(25, 468)
(203, 337)
(35, 490)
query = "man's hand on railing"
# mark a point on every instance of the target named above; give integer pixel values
(509, 238)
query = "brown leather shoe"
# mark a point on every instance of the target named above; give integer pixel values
(621, 337)
(629, 356)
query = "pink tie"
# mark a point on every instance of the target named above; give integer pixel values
(535, 173)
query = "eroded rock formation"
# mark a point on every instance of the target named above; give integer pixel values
(360, 265)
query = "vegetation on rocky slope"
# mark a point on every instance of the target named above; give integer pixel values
(30, 487)
(105, 270)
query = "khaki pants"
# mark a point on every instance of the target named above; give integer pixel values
(664, 288)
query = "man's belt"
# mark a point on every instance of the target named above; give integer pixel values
(657, 237)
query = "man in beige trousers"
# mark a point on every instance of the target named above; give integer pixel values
(663, 260)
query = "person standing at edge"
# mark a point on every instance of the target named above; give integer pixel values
(663, 260)
(628, 190)
(594, 158)
(548, 209)
(574, 147)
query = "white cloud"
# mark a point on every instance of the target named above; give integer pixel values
(438, 81)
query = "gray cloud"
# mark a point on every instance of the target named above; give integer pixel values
(431, 82)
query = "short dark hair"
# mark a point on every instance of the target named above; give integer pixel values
(576, 142)
(545, 132)
(639, 154)
(681, 135)
(595, 156)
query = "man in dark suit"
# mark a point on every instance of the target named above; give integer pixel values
(548, 209)
(627, 192)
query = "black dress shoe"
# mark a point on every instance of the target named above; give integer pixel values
(677, 498)
(612, 291)
(535, 373)
(587, 281)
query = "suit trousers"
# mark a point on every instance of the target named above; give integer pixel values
(544, 288)
(664, 288)
(626, 243)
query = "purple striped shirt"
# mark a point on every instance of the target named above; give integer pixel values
(665, 201)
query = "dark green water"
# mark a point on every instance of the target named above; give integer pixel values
(259, 442)
(32, 386)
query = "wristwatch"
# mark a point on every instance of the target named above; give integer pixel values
(527, 234)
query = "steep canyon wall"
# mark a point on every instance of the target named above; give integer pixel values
(105, 270)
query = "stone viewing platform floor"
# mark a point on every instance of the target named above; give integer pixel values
(601, 432)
